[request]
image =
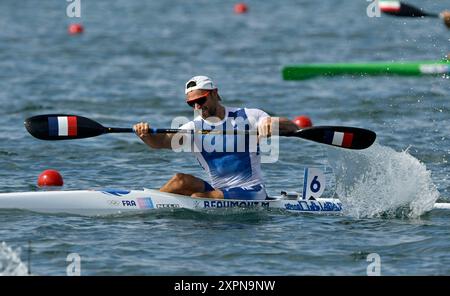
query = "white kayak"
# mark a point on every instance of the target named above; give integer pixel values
(105, 202)
(108, 201)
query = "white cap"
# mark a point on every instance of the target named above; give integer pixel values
(199, 82)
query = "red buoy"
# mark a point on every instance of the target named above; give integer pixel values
(303, 121)
(75, 29)
(240, 8)
(50, 178)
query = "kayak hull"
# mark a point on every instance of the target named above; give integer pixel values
(414, 68)
(107, 202)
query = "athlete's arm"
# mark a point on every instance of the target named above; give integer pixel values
(156, 141)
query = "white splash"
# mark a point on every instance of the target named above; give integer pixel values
(379, 181)
(10, 263)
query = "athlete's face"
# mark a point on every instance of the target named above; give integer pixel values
(203, 101)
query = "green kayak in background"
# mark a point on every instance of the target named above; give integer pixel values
(411, 68)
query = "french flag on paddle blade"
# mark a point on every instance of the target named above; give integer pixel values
(389, 6)
(339, 139)
(62, 126)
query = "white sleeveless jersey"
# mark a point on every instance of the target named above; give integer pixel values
(229, 160)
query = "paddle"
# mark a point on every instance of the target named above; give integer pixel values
(66, 127)
(399, 8)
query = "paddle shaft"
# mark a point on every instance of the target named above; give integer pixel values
(154, 131)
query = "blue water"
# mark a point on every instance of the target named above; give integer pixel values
(131, 65)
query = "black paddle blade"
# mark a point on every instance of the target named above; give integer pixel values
(340, 136)
(62, 127)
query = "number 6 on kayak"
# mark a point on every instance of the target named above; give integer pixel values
(313, 183)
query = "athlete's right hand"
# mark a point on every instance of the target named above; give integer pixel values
(142, 130)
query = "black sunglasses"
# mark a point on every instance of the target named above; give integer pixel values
(200, 101)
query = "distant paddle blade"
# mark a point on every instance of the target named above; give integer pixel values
(62, 127)
(398, 8)
(340, 136)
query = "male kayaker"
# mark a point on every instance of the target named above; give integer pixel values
(233, 175)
